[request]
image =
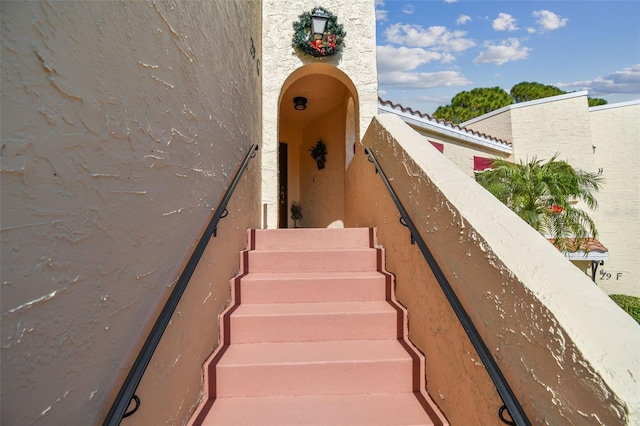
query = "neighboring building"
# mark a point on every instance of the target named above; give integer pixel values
(603, 140)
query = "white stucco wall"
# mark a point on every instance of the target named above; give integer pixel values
(616, 136)
(357, 60)
(122, 125)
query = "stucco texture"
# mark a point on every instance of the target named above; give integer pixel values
(562, 345)
(122, 125)
(616, 138)
(357, 61)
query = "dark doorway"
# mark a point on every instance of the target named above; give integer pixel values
(283, 179)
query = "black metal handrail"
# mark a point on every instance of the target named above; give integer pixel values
(128, 389)
(511, 404)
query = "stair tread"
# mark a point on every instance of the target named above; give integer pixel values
(314, 352)
(312, 238)
(329, 275)
(358, 409)
(348, 308)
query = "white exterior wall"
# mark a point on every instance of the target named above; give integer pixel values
(122, 125)
(559, 124)
(616, 136)
(357, 60)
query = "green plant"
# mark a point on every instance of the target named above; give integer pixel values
(318, 153)
(296, 210)
(629, 304)
(543, 194)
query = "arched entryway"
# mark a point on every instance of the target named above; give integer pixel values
(331, 117)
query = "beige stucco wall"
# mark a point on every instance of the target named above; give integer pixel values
(357, 60)
(322, 197)
(569, 353)
(122, 124)
(616, 136)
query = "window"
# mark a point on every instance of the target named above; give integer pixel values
(481, 164)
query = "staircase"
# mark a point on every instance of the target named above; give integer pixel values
(313, 336)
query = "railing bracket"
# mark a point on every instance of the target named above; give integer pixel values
(501, 415)
(135, 399)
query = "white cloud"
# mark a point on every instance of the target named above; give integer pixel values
(381, 14)
(450, 1)
(531, 30)
(392, 58)
(548, 20)
(504, 22)
(625, 81)
(508, 50)
(437, 37)
(463, 19)
(408, 9)
(423, 80)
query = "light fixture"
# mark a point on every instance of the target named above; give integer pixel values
(319, 19)
(300, 103)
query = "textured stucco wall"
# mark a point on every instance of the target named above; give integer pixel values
(357, 60)
(566, 349)
(616, 136)
(322, 190)
(496, 123)
(122, 124)
(559, 124)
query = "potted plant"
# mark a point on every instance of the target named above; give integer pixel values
(296, 213)
(318, 153)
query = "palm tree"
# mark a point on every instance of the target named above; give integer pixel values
(544, 195)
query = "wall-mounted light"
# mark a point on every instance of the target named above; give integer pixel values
(300, 103)
(319, 19)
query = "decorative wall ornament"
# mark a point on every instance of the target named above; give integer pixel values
(319, 153)
(318, 33)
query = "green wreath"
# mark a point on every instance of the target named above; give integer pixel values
(328, 45)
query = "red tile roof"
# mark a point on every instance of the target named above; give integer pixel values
(442, 122)
(587, 246)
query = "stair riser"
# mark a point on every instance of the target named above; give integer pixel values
(312, 290)
(314, 328)
(311, 239)
(357, 260)
(314, 379)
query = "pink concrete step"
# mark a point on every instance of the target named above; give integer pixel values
(314, 368)
(306, 322)
(303, 287)
(392, 409)
(355, 259)
(314, 336)
(312, 239)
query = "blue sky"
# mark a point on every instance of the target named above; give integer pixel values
(430, 50)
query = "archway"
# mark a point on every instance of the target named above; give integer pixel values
(330, 117)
